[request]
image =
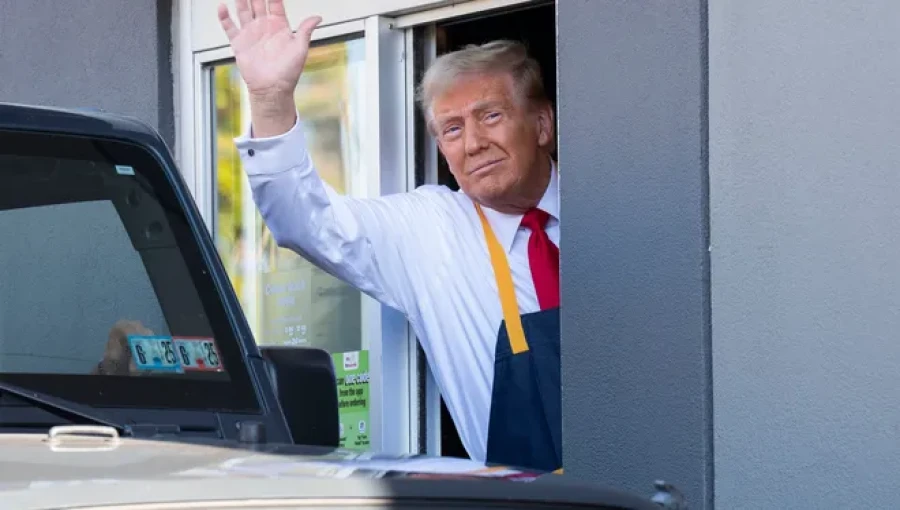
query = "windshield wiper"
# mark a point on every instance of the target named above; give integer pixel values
(62, 408)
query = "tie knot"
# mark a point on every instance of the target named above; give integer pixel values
(535, 219)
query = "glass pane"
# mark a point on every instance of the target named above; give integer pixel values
(287, 300)
(105, 296)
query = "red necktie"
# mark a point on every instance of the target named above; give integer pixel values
(543, 257)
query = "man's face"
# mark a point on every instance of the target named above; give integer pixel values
(495, 143)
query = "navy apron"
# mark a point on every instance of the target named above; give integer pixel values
(525, 425)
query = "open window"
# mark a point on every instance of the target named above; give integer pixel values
(532, 24)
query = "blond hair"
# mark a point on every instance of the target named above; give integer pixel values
(495, 57)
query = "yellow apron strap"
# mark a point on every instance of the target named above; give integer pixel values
(517, 341)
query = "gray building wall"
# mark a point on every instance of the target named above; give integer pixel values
(107, 54)
(804, 167)
(635, 321)
(764, 374)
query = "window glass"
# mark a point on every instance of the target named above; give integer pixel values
(105, 296)
(286, 299)
(54, 272)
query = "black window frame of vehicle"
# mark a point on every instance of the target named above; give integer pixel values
(238, 393)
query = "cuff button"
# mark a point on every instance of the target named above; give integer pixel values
(251, 152)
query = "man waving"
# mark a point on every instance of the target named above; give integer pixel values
(485, 306)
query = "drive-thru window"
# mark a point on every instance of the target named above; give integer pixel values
(356, 103)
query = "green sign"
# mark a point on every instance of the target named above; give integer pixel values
(352, 371)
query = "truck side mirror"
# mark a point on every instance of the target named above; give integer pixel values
(304, 380)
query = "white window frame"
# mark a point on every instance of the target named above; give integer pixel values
(386, 163)
(205, 33)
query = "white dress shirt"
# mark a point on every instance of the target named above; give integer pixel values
(421, 252)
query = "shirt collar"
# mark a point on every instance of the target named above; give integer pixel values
(505, 225)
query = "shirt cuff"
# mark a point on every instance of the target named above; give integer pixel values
(275, 154)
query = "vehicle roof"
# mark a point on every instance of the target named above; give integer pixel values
(84, 122)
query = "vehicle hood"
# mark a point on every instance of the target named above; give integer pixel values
(36, 472)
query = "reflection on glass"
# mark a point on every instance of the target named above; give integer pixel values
(287, 300)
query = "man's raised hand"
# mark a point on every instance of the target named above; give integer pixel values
(270, 58)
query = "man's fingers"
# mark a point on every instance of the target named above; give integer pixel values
(304, 31)
(231, 30)
(276, 8)
(259, 8)
(243, 10)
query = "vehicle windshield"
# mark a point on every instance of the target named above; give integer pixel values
(105, 297)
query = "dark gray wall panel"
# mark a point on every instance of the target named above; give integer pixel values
(635, 321)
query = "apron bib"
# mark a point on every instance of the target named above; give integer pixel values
(525, 428)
